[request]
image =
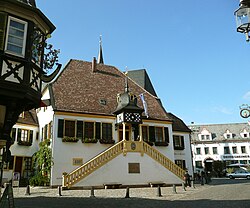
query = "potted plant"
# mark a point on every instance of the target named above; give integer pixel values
(70, 139)
(89, 140)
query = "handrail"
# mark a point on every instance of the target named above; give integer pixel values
(86, 169)
(163, 160)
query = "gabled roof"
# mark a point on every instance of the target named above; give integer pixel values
(29, 118)
(178, 124)
(141, 77)
(218, 130)
(80, 89)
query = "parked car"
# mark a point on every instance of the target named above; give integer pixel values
(239, 173)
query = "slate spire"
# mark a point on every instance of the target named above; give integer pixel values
(100, 56)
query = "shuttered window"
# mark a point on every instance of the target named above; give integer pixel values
(107, 131)
(179, 142)
(70, 128)
(89, 130)
(158, 134)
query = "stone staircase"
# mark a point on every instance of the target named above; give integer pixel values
(124, 147)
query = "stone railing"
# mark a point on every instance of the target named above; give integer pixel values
(89, 167)
(163, 160)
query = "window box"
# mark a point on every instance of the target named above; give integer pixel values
(161, 143)
(24, 143)
(89, 140)
(107, 141)
(70, 139)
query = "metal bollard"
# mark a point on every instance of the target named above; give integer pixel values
(174, 189)
(92, 192)
(183, 187)
(27, 190)
(159, 192)
(192, 184)
(127, 193)
(59, 190)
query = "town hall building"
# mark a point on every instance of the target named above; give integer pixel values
(109, 127)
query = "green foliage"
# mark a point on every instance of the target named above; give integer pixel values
(89, 140)
(42, 163)
(39, 180)
(70, 139)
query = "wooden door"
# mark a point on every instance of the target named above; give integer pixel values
(19, 165)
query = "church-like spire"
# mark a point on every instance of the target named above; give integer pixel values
(100, 56)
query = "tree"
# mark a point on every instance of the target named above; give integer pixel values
(42, 163)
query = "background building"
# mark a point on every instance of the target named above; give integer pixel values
(25, 143)
(216, 145)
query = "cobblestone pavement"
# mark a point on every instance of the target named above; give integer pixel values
(220, 193)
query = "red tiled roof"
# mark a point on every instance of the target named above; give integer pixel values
(79, 89)
(29, 118)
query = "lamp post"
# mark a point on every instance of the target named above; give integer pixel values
(25, 58)
(242, 15)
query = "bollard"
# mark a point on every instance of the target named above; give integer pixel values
(27, 190)
(202, 181)
(127, 193)
(159, 192)
(192, 184)
(183, 187)
(59, 190)
(92, 192)
(174, 189)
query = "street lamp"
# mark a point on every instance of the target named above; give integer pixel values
(243, 18)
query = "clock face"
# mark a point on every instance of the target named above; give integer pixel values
(132, 117)
(245, 113)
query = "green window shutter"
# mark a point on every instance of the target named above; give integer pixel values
(98, 130)
(182, 142)
(13, 134)
(166, 133)
(60, 128)
(3, 23)
(31, 136)
(152, 134)
(79, 129)
(19, 135)
(45, 132)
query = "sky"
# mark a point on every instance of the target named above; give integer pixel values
(197, 62)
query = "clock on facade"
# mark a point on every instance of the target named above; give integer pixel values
(245, 113)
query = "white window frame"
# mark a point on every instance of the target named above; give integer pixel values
(24, 36)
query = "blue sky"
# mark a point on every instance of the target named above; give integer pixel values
(197, 62)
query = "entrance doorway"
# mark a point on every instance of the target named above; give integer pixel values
(209, 164)
(19, 165)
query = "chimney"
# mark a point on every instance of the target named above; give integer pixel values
(94, 64)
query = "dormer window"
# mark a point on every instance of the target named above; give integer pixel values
(228, 135)
(205, 135)
(244, 134)
(16, 36)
